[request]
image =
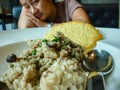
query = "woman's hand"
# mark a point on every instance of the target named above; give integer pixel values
(24, 22)
(36, 21)
(28, 20)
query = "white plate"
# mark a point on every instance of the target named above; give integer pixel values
(112, 80)
(14, 36)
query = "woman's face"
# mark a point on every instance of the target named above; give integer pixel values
(39, 8)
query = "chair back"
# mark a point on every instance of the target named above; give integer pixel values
(16, 13)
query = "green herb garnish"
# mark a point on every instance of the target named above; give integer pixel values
(73, 54)
(63, 47)
(34, 52)
(11, 65)
(36, 61)
(45, 40)
(56, 39)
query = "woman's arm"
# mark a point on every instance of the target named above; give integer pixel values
(79, 14)
(24, 21)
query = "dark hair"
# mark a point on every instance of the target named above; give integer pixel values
(53, 1)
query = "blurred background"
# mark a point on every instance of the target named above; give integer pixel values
(104, 8)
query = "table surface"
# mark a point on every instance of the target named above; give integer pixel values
(111, 35)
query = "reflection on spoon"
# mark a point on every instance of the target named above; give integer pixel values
(98, 61)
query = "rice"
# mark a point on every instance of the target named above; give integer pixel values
(48, 65)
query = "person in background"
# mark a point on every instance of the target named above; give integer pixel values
(43, 13)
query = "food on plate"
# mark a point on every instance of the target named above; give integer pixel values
(55, 62)
(83, 34)
(47, 65)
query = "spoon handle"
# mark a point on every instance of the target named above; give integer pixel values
(96, 83)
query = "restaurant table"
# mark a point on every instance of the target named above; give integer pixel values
(111, 35)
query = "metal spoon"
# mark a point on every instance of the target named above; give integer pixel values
(100, 61)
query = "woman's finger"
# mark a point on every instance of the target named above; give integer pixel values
(35, 20)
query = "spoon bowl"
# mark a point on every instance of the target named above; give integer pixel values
(99, 61)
